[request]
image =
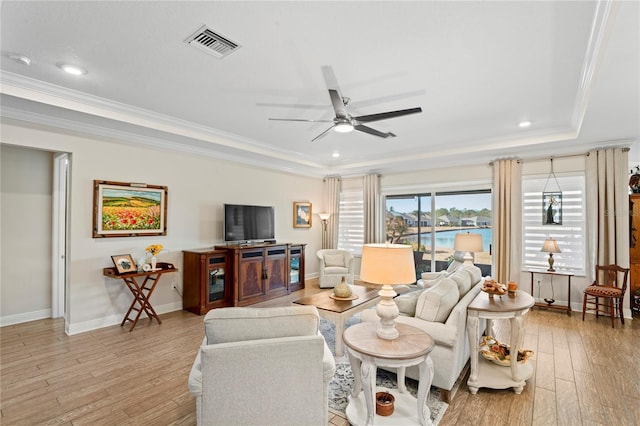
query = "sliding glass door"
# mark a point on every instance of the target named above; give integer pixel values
(430, 222)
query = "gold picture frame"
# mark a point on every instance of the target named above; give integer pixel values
(123, 209)
(302, 214)
(124, 263)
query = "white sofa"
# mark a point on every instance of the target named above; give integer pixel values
(441, 311)
(262, 366)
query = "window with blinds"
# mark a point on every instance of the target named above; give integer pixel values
(570, 234)
(351, 221)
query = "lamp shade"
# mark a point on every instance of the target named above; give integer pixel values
(387, 264)
(550, 246)
(468, 242)
(324, 216)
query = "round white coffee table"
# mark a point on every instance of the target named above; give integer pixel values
(367, 352)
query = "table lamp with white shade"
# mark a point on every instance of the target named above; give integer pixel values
(468, 243)
(387, 265)
(550, 246)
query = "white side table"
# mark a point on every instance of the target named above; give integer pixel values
(485, 373)
(367, 352)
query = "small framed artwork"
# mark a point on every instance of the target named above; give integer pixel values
(128, 209)
(552, 208)
(124, 263)
(301, 214)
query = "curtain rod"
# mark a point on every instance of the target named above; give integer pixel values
(555, 157)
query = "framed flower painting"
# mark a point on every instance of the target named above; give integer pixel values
(128, 209)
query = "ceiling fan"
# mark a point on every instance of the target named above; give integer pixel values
(344, 122)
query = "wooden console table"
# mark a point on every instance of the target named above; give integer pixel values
(141, 293)
(550, 305)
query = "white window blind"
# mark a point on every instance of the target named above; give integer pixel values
(351, 221)
(570, 234)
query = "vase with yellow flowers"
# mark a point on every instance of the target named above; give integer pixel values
(154, 250)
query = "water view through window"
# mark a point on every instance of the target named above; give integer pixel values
(409, 220)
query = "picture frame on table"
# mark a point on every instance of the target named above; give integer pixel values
(124, 263)
(302, 214)
(123, 209)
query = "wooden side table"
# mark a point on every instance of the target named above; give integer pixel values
(141, 293)
(367, 352)
(550, 305)
(485, 373)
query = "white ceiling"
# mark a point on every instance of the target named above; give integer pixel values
(475, 68)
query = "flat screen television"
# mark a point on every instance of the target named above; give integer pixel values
(246, 222)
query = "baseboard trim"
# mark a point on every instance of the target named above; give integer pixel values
(85, 326)
(25, 317)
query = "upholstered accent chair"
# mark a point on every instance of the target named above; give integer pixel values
(262, 366)
(610, 285)
(335, 264)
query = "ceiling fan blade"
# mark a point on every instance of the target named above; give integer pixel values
(386, 115)
(338, 106)
(301, 119)
(373, 132)
(330, 78)
(322, 134)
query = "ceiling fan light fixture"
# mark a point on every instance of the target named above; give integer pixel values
(343, 127)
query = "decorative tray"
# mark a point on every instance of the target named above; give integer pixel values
(499, 353)
(352, 297)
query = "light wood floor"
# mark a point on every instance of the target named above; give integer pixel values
(586, 373)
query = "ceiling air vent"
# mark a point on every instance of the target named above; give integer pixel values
(212, 42)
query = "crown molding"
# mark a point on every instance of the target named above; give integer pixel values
(50, 94)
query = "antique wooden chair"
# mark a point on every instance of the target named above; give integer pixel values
(610, 284)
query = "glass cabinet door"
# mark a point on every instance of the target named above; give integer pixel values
(295, 270)
(216, 280)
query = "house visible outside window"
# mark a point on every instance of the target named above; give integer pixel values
(351, 221)
(570, 234)
(430, 222)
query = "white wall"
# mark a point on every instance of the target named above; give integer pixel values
(197, 189)
(25, 212)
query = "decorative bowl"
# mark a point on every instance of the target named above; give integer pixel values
(499, 353)
(491, 287)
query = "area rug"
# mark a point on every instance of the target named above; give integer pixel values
(342, 384)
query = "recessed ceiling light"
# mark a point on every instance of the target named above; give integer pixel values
(73, 69)
(524, 123)
(21, 59)
(336, 155)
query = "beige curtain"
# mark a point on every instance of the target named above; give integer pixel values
(507, 217)
(371, 197)
(607, 208)
(332, 203)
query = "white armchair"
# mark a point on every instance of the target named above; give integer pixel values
(262, 366)
(335, 264)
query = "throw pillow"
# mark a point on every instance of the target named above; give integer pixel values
(333, 260)
(474, 272)
(435, 304)
(407, 302)
(428, 283)
(463, 280)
